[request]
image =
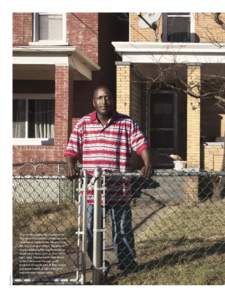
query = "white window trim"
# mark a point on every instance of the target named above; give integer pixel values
(36, 41)
(26, 140)
(32, 142)
(192, 26)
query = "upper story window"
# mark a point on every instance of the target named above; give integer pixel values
(178, 27)
(49, 28)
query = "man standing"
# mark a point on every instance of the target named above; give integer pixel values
(105, 139)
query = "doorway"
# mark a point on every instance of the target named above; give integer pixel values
(162, 127)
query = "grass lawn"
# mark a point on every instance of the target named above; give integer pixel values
(47, 218)
(180, 245)
(176, 244)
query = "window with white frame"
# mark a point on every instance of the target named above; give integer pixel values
(33, 117)
(178, 27)
(49, 27)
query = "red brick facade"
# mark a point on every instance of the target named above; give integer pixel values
(22, 29)
(92, 34)
(63, 108)
(63, 99)
(82, 31)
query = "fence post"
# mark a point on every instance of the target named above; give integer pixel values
(84, 225)
(79, 231)
(97, 230)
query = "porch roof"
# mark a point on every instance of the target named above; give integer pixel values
(56, 55)
(182, 53)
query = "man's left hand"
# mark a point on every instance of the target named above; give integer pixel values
(146, 171)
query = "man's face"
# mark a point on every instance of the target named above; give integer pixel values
(103, 102)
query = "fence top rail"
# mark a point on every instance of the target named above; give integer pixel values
(188, 172)
(39, 177)
(170, 173)
(162, 172)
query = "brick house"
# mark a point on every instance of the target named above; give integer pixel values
(175, 122)
(57, 61)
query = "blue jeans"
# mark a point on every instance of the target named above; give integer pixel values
(122, 233)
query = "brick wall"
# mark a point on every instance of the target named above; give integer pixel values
(123, 88)
(63, 109)
(139, 34)
(37, 153)
(102, 53)
(129, 99)
(193, 118)
(206, 29)
(63, 99)
(82, 31)
(214, 157)
(22, 29)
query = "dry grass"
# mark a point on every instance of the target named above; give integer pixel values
(180, 245)
(47, 218)
(177, 244)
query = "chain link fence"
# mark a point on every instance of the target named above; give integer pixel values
(44, 225)
(178, 229)
(169, 229)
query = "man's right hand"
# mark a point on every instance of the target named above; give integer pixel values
(71, 171)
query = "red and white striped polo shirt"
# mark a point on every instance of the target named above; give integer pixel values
(107, 147)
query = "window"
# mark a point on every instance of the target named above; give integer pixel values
(178, 27)
(33, 118)
(49, 28)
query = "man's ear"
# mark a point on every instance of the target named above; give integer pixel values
(93, 103)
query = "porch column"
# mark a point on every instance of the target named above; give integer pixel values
(123, 88)
(63, 105)
(193, 117)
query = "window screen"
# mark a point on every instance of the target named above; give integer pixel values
(178, 28)
(50, 27)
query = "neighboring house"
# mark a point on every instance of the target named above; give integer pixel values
(193, 45)
(57, 61)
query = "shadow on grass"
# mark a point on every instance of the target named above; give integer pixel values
(177, 257)
(184, 256)
(149, 216)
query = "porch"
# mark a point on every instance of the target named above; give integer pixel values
(164, 87)
(44, 78)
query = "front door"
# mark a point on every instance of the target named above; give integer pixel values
(163, 127)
